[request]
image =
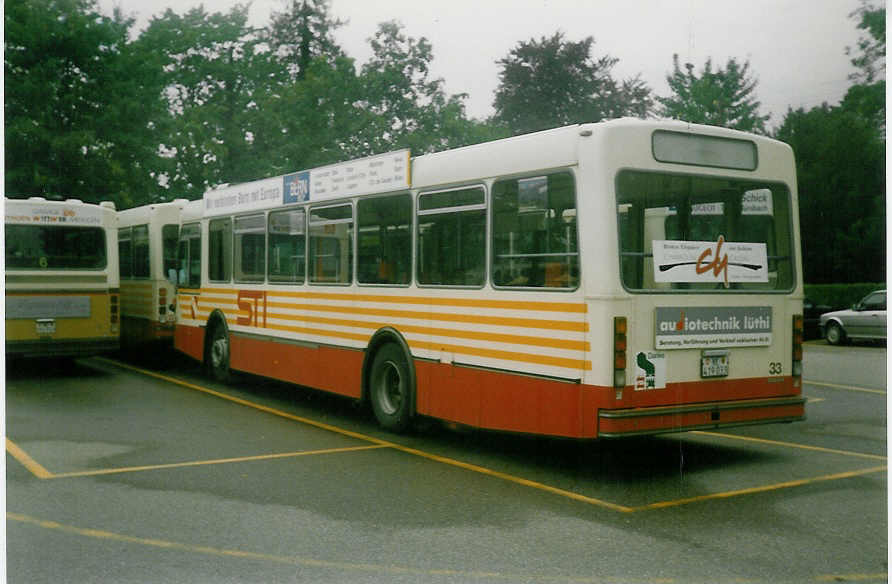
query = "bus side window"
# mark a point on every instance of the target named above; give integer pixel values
(125, 253)
(220, 250)
(141, 251)
(250, 248)
(534, 236)
(385, 252)
(286, 251)
(452, 238)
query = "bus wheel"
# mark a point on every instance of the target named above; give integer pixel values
(217, 358)
(390, 388)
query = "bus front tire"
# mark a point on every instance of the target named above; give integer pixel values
(217, 358)
(390, 389)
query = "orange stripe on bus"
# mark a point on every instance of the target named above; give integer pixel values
(572, 307)
(568, 344)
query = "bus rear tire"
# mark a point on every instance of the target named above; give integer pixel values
(390, 388)
(217, 354)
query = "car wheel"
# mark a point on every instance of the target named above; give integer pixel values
(835, 335)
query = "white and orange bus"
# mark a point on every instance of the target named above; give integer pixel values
(61, 278)
(597, 280)
(147, 250)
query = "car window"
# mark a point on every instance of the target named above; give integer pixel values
(875, 301)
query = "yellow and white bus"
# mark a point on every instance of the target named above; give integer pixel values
(597, 280)
(147, 250)
(61, 278)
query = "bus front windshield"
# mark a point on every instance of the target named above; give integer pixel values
(682, 233)
(42, 247)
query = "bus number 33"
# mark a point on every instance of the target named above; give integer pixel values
(775, 368)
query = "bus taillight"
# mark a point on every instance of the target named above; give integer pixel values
(162, 302)
(620, 327)
(798, 336)
(113, 312)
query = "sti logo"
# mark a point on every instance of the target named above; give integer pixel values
(296, 188)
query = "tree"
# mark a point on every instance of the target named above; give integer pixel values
(840, 159)
(78, 103)
(216, 70)
(303, 33)
(867, 96)
(724, 97)
(409, 108)
(553, 82)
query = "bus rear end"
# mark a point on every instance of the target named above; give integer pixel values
(61, 278)
(707, 328)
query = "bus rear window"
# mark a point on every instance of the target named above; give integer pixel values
(43, 247)
(694, 233)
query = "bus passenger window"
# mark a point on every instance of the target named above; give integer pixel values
(385, 240)
(220, 250)
(286, 252)
(331, 245)
(141, 251)
(125, 253)
(250, 248)
(452, 238)
(534, 238)
(189, 256)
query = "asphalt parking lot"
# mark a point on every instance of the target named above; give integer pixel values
(119, 471)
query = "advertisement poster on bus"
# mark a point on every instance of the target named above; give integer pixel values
(705, 327)
(721, 262)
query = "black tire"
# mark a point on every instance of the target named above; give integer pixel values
(834, 334)
(390, 388)
(217, 354)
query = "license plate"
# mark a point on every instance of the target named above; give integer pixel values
(46, 327)
(714, 364)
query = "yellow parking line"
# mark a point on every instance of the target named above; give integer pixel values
(26, 461)
(761, 489)
(372, 439)
(879, 577)
(511, 478)
(107, 471)
(790, 445)
(846, 387)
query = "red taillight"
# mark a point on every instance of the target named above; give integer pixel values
(162, 301)
(620, 328)
(798, 337)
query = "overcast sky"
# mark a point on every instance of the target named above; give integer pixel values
(796, 48)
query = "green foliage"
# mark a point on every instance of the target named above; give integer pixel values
(841, 172)
(553, 82)
(840, 161)
(724, 97)
(216, 70)
(302, 33)
(77, 104)
(839, 296)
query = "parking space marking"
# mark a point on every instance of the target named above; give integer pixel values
(380, 569)
(846, 387)
(760, 489)
(108, 471)
(520, 480)
(790, 445)
(32, 465)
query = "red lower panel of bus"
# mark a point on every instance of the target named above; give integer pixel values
(519, 403)
(331, 369)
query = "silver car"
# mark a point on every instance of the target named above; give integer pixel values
(865, 320)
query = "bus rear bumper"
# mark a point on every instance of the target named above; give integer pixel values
(701, 416)
(66, 348)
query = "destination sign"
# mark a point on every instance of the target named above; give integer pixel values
(375, 174)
